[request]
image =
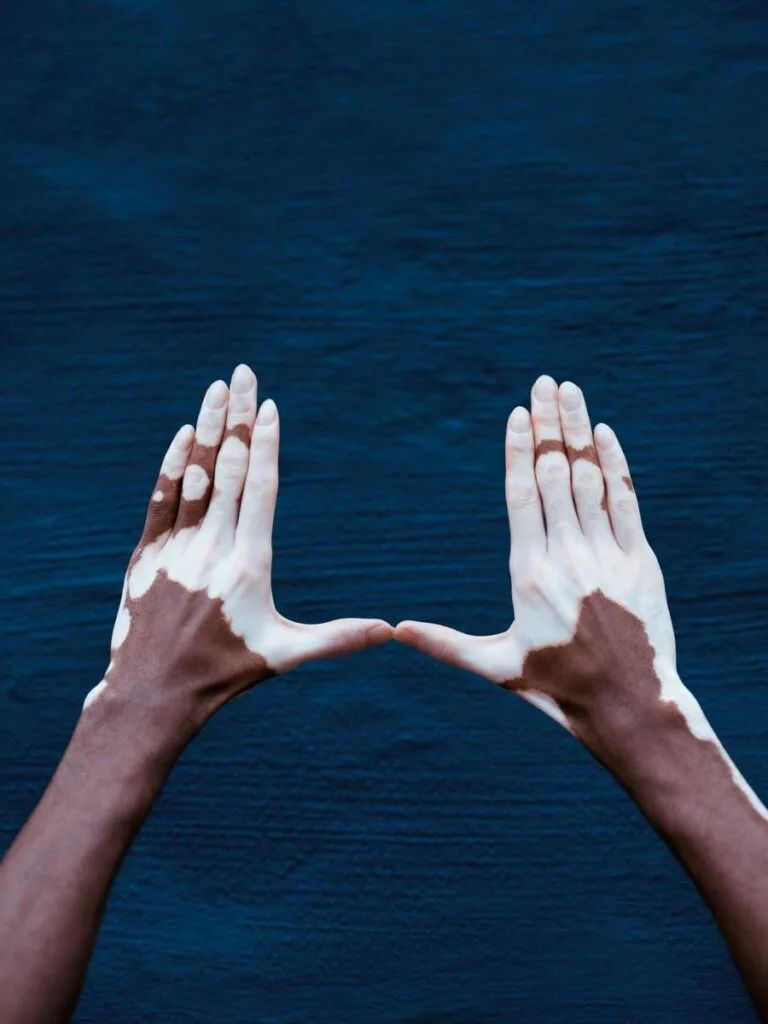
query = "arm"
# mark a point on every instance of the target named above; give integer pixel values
(196, 627)
(592, 645)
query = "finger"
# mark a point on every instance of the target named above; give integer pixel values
(232, 460)
(485, 655)
(526, 520)
(164, 504)
(553, 472)
(257, 508)
(623, 507)
(587, 481)
(198, 476)
(333, 639)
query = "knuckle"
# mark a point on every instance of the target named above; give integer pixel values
(587, 477)
(195, 483)
(195, 474)
(522, 493)
(528, 584)
(231, 463)
(257, 559)
(262, 485)
(547, 413)
(233, 456)
(553, 470)
(626, 507)
(589, 487)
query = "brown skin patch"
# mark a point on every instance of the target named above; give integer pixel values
(588, 452)
(191, 513)
(628, 481)
(604, 670)
(241, 431)
(161, 515)
(551, 445)
(202, 665)
(604, 681)
(179, 662)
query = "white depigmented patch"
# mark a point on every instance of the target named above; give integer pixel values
(93, 694)
(174, 462)
(121, 627)
(742, 783)
(146, 569)
(547, 705)
(209, 425)
(674, 691)
(240, 604)
(233, 453)
(157, 496)
(196, 483)
(231, 467)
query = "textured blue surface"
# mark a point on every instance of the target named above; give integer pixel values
(399, 214)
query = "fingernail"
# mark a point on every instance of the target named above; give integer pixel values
(545, 386)
(267, 413)
(604, 436)
(184, 437)
(216, 395)
(570, 395)
(242, 379)
(519, 421)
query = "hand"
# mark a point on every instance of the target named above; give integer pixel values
(592, 642)
(197, 624)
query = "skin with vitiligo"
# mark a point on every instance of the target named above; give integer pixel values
(592, 645)
(196, 626)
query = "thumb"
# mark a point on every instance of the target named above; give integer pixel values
(336, 638)
(484, 655)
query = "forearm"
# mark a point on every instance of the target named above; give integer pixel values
(696, 799)
(55, 878)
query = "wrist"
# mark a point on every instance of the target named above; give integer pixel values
(160, 723)
(127, 748)
(623, 728)
(671, 762)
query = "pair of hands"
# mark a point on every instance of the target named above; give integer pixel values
(591, 643)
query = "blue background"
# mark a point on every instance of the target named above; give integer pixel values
(399, 214)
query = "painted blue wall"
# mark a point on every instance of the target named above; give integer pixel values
(399, 214)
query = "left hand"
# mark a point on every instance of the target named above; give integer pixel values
(197, 624)
(592, 642)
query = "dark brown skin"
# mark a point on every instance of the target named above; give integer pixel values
(592, 644)
(605, 682)
(196, 627)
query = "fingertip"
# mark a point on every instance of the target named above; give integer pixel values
(184, 437)
(243, 379)
(379, 633)
(544, 387)
(570, 395)
(404, 630)
(519, 421)
(267, 414)
(605, 438)
(217, 394)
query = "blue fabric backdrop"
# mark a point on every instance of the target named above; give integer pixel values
(399, 214)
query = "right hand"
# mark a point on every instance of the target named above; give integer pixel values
(592, 642)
